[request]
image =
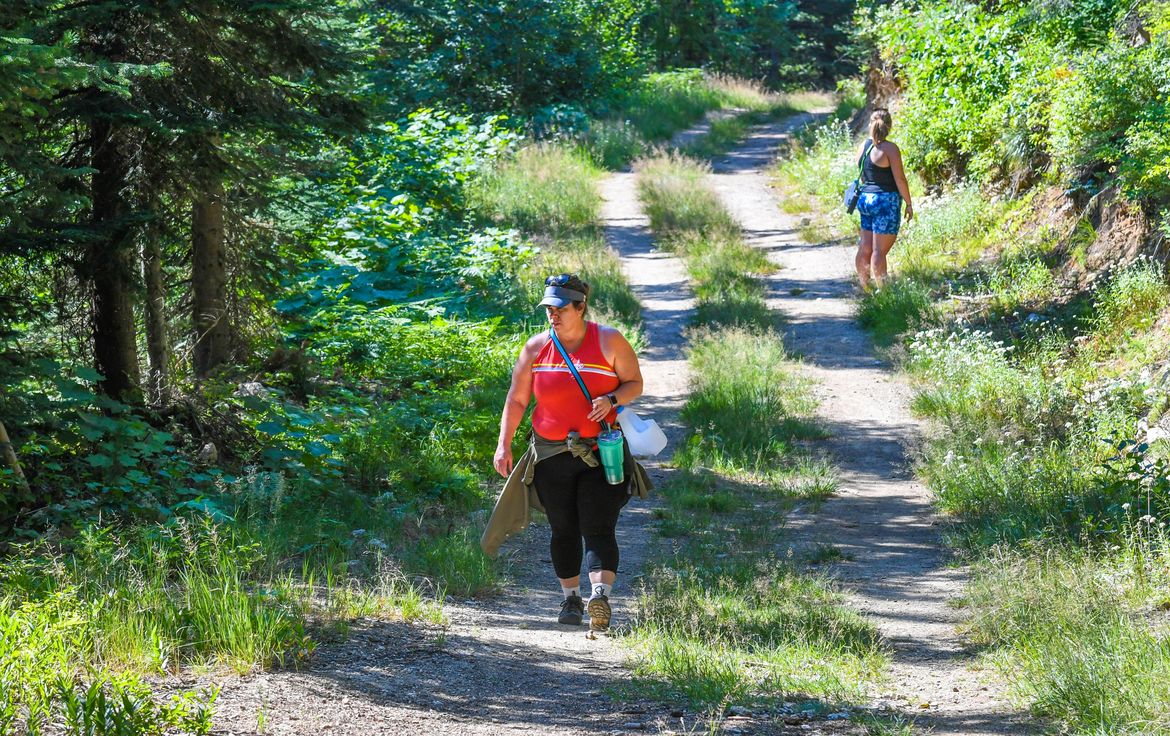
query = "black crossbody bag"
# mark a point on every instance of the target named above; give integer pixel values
(853, 191)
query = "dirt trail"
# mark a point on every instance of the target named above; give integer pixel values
(501, 666)
(882, 518)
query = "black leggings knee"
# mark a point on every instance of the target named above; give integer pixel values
(580, 504)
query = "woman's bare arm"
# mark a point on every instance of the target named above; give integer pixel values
(900, 178)
(624, 360)
(519, 395)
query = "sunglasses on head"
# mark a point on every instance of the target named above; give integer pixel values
(560, 280)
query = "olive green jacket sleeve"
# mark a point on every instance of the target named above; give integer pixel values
(511, 513)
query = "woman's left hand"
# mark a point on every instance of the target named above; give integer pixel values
(601, 409)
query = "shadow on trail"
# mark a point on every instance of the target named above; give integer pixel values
(464, 677)
(885, 455)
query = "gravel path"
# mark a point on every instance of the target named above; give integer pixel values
(882, 518)
(502, 666)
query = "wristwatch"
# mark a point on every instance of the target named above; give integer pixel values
(612, 400)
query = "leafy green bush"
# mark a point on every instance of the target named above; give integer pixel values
(1132, 299)
(86, 454)
(1109, 95)
(999, 91)
(510, 55)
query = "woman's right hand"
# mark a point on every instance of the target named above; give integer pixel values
(909, 211)
(503, 460)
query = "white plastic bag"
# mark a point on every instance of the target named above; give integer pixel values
(646, 438)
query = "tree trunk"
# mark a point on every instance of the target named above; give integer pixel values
(156, 319)
(8, 456)
(111, 267)
(209, 280)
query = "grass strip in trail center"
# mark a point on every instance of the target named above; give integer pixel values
(549, 191)
(726, 617)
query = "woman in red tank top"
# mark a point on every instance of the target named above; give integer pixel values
(581, 506)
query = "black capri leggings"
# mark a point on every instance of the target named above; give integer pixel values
(581, 504)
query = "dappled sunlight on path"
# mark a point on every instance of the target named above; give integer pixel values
(882, 520)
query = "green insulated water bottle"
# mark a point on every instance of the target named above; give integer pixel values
(613, 456)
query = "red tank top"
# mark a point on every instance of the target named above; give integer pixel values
(560, 406)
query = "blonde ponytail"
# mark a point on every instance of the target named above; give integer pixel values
(880, 123)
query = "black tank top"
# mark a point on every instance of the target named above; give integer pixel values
(876, 178)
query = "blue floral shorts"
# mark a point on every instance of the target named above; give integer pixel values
(881, 212)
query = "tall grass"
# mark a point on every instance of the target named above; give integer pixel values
(813, 174)
(690, 219)
(667, 103)
(1040, 455)
(946, 235)
(724, 620)
(678, 201)
(49, 682)
(545, 188)
(748, 630)
(1081, 634)
(611, 144)
(551, 192)
(746, 406)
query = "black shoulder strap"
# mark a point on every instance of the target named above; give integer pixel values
(861, 159)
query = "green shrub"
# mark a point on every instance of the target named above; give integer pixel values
(1132, 299)
(1102, 97)
(995, 92)
(899, 306)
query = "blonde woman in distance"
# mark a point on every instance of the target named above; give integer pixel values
(883, 190)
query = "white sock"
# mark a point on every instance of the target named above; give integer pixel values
(601, 589)
(569, 592)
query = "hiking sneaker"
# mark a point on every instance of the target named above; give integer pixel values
(572, 610)
(599, 613)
